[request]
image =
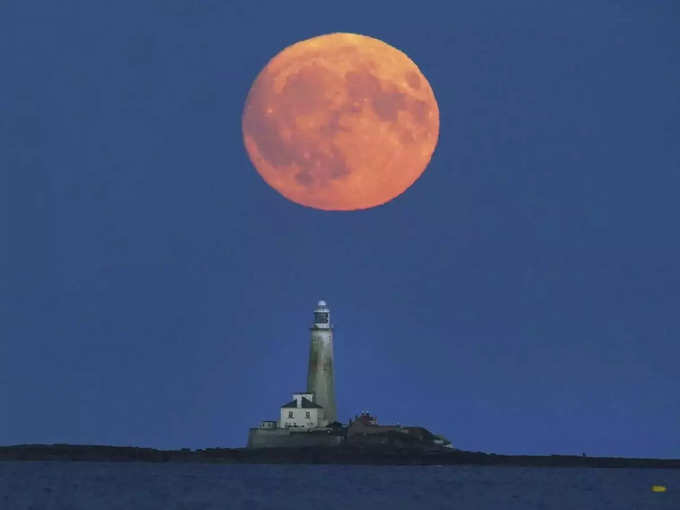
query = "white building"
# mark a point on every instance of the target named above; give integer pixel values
(301, 412)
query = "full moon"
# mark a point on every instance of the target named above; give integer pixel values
(340, 122)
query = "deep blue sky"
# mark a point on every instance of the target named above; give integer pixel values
(522, 297)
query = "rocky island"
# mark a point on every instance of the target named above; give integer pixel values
(350, 453)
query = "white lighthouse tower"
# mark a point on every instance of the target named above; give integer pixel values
(320, 379)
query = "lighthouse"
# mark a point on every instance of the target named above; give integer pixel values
(320, 380)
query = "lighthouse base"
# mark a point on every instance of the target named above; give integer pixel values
(283, 438)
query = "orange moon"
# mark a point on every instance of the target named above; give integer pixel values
(340, 122)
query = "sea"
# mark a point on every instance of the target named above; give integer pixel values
(57, 485)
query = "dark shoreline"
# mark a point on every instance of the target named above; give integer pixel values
(329, 455)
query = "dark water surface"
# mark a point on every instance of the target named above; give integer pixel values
(99, 486)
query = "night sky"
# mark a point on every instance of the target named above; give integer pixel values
(523, 296)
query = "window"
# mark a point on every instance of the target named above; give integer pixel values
(308, 414)
(290, 414)
(321, 317)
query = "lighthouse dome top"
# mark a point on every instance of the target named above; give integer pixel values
(322, 316)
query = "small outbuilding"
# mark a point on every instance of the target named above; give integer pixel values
(301, 412)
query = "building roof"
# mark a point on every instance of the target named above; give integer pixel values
(305, 404)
